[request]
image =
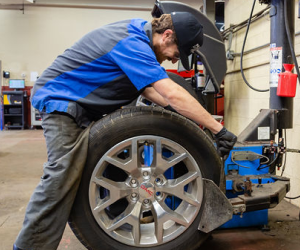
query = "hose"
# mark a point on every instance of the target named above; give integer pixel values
(288, 33)
(242, 54)
(293, 198)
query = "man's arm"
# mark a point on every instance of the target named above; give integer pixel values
(185, 104)
(188, 106)
(152, 95)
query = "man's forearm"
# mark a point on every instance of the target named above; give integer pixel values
(185, 104)
(193, 110)
(152, 95)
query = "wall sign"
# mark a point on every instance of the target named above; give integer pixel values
(275, 64)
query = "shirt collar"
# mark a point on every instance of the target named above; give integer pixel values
(148, 30)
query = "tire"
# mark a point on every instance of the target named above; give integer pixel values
(141, 101)
(141, 194)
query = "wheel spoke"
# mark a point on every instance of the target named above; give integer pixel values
(117, 191)
(122, 164)
(162, 214)
(169, 214)
(158, 213)
(128, 165)
(134, 164)
(140, 103)
(104, 203)
(135, 222)
(176, 188)
(175, 159)
(162, 163)
(131, 216)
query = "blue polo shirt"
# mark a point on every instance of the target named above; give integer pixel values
(106, 69)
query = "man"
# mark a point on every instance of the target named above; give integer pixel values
(105, 70)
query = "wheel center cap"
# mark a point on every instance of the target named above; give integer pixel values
(146, 190)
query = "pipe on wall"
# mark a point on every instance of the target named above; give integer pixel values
(78, 6)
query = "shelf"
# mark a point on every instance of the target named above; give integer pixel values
(13, 126)
(14, 109)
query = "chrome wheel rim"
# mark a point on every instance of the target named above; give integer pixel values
(147, 206)
(142, 101)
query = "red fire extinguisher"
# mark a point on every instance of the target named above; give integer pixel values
(287, 82)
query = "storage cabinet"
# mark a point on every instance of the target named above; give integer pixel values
(14, 109)
(36, 119)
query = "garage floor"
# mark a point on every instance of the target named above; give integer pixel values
(22, 154)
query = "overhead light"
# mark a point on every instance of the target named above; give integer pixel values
(30, 1)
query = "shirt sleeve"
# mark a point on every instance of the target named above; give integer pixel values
(137, 60)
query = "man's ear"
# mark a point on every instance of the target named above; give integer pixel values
(168, 34)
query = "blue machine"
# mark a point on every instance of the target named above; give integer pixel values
(245, 163)
(236, 170)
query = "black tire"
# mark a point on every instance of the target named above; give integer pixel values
(186, 84)
(129, 123)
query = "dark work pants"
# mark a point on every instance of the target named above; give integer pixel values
(50, 205)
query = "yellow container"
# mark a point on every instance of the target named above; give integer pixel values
(6, 99)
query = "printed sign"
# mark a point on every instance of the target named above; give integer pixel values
(275, 64)
(263, 133)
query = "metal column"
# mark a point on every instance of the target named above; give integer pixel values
(279, 43)
(209, 11)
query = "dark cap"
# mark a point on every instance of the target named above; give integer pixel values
(189, 32)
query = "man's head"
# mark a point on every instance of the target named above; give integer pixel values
(164, 39)
(174, 35)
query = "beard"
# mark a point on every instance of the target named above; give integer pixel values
(158, 54)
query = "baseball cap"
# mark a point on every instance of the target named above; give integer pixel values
(189, 32)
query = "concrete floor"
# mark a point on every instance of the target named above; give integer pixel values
(22, 154)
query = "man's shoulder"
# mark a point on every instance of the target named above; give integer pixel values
(128, 26)
(137, 22)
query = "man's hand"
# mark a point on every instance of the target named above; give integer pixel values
(225, 141)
